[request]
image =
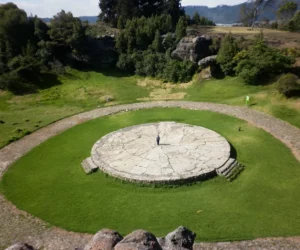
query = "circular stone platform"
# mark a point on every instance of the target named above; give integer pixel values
(185, 152)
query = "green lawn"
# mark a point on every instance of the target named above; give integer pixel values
(263, 201)
(81, 91)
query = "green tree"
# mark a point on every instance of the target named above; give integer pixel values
(289, 85)
(261, 62)
(286, 11)
(174, 9)
(181, 28)
(121, 23)
(14, 29)
(252, 10)
(108, 11)
(196, 18)
(67, 34)
(157, 42)
(228, 50)
(294, 24)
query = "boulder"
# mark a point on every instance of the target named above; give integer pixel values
(207, 61)
(193, 48)
(20, 246)
(180, 239)
(138, 240)
(105, 239)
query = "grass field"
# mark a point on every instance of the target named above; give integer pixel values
(275, 38)
(81, 91)
(263, 201)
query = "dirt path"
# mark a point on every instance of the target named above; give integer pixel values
(16, 226)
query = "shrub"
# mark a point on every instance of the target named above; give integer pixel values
(228, 50)
(289, 85)
(261, 61)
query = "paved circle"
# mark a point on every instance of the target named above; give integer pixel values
(185, 152)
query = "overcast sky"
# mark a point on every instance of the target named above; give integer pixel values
(48, 8)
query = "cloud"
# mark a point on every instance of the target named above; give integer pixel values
(211, 3)
(48, 8)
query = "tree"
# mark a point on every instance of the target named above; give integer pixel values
(67, 34)
(14, 28)
(157, 42)
(228, 50)
(260, 62)
(108, 11)
(196, 18)
(289, 85)
(181, 28)
(174, 9)
(286, 11)
(250, 11)
(294, 24)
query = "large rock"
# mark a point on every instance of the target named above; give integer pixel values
(20, 246)
(105, 239)
(138, 240)
(207, 61)
(193, 48)
(180, 239)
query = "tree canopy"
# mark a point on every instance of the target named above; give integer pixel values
(252, 9)
(113, 10)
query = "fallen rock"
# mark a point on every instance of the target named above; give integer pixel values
(105, 239)
(180, 239)
(139, 240)
(20, 246)
(193, 48)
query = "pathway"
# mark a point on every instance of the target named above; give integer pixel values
(16, 226)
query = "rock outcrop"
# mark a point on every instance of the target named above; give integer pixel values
(193, 48)
(139, 240)
(107, 239)
(180, 239)
(207, 61)
(104, 239)
(20, 246)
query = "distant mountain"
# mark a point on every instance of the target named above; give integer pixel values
(226, 14)
(90, 19)
(220, 14)
(223, 14)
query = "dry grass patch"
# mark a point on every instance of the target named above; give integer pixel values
(163, 94)
(152, 83)
(275, 38)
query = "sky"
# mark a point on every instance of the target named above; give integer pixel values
(48, 8)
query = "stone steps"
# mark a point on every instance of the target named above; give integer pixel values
(230, 170)
(226, 166)
(89, 166)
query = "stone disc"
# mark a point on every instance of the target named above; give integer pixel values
(185, 152)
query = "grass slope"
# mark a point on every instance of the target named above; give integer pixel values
(81, 91)
(263, 201)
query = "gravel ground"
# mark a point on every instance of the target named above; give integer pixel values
(18, 226)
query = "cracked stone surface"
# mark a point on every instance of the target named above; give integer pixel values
(185, 152)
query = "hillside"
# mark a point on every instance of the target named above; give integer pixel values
(226, 14)
(223, 14)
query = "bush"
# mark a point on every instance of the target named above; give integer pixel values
(288, 85)
(228, 50)
(261, 61)
(15, 83)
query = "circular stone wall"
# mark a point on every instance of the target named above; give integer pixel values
(185, 152)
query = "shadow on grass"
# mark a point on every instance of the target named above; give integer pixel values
(47, 80)
(233, 152)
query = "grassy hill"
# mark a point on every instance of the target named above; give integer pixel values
(81, 91)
